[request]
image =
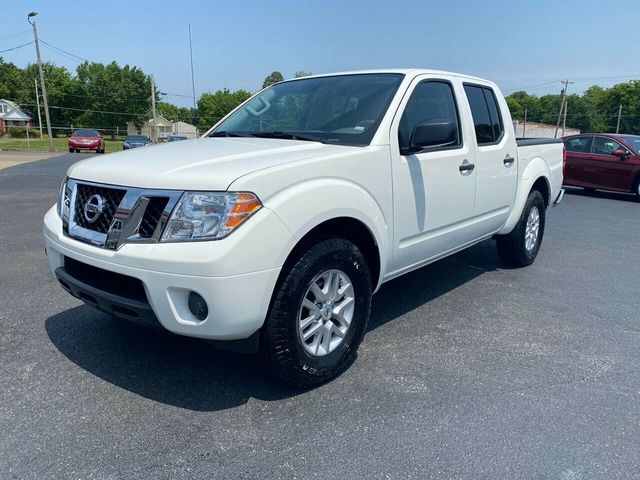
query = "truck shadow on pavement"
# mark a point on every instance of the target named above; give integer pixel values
(192, 374)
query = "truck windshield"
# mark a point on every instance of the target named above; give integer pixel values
(341, 109)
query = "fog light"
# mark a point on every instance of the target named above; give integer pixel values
(197, 306)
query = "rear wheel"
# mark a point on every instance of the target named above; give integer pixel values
(70, 150)
(520, 247)
(318, 315)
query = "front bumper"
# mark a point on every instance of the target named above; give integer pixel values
(237, 296)
(84, 146)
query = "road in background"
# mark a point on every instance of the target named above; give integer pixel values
(469, 370)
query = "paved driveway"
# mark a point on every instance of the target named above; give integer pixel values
(469, 370)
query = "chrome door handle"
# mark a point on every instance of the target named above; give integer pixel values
(466, 167)
(508, 160)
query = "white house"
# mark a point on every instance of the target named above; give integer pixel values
(185, 129)
(12, 116)
(165, 128)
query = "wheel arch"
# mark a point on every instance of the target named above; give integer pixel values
(349, 228)
(542, 185)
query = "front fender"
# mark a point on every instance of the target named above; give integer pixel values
(307, 204)
(536, 168)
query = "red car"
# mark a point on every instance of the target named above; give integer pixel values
(604, 161)
(86, 140)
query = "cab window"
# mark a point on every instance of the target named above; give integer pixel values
(431, 100)
(486, 114)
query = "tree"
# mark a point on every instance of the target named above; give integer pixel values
(273, 77)
(11, 80)
(213, 106)
(62, 92)
(172, 112)
(302, 73)
(113, 95)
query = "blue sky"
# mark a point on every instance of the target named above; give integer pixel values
(236, 44)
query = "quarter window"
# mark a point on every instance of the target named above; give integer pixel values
(431, 100)
(486, 114)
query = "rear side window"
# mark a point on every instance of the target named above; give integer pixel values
(431, 100)
(486, 114)
(578, 144)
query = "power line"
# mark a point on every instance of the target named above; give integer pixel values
(66, 57)
(15, 48)
(14, 35)
(64, 51)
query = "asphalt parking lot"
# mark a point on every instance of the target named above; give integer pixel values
(469, 369)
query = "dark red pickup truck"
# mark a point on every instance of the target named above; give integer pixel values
(604, 161)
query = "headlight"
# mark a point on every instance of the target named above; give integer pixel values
(209, 215)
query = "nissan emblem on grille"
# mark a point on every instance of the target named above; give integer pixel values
(93, 208)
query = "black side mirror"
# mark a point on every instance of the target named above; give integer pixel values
(432, 134)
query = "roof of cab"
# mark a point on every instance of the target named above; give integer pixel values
(404, 71)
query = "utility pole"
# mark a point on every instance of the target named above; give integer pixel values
(566, 83)
(44, 88)
(564, 117)
(619, 117)
(35, 80)
(524, 124)
(154, 133)
(193, 83)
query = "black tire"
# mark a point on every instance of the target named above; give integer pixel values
(281, 347)
(636, 188)
(71, 150)
(512, 247)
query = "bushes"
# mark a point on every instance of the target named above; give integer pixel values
(18, 132)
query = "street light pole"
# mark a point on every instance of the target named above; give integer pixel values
(42, 85)
(154, 134)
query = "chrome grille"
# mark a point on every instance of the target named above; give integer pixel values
(151, 216)
(110, 216)
(112, 198)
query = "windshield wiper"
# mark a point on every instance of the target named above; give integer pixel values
(287, 136)
(225, 134)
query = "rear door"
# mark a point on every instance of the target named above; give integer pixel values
(496, 166)
(578, 160)
(610, 171)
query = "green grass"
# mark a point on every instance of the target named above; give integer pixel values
(42, 145)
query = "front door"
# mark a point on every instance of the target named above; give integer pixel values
(433, 190)
(610, 171)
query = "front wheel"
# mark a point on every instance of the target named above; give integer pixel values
(520, 247)
(318, 315)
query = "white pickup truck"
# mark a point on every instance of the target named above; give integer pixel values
(274, 229)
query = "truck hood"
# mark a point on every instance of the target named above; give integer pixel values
(201, 164)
